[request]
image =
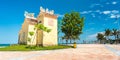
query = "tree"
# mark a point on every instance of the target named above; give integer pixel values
(31, 33)
(30, 38)
(100, 37)
(107, 34)
(72, 25)
(115, 33)
(65, 37)
(40, 26)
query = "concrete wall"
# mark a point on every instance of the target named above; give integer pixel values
(23, 33)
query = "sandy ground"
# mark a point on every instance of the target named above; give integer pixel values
(82, 52)
(115, 46)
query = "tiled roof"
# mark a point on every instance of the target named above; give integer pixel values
(32, 21)
(49, 15)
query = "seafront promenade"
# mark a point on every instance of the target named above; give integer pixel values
(82, 52)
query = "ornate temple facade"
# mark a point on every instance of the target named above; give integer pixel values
(45, 17)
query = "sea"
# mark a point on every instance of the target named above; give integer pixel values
(4, 45)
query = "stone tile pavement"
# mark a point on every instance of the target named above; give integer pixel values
(82, 52)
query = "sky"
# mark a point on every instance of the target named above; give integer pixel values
(99, 15)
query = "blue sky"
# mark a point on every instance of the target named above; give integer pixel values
(99, 14)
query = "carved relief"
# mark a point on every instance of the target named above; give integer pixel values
(46, 10)
(28, 15)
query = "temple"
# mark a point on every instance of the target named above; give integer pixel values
(45, 17)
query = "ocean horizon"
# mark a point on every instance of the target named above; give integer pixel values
(4, 45)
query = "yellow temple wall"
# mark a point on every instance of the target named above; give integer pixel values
(33, 38)
(23, 33)
(51, 37)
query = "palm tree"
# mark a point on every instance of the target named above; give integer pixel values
(115, 33)
(100, 37)
(65, 38)
(107, 34)
(118, 36)
(38, 27)
(29, 39)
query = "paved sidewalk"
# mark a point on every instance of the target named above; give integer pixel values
(114, 49)
(82, 52)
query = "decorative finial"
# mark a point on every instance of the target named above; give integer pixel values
(47, 10)
(42, 9)
(28, 15)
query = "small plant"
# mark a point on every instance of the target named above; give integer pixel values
(29, 39)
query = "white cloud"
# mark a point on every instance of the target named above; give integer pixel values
(93, 5)
(114, 2)
(85, 12)
(118, 15)
(94, 35)
(113, 16)
(90, 11)
(110, 12)
(115, 11)
(60, 15)
(106, 12)
(93, 15)
(98, 11)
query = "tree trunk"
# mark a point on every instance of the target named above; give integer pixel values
(66, 42)
(34, 36)
(115, 39)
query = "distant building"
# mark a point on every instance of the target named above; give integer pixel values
(48, 19)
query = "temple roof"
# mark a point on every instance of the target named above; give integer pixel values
(49, 15)
(32, 21)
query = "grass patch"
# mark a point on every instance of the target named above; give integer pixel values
(33, 48)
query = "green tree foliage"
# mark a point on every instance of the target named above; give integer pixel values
(100, 37)
(29, 39)
(109, 33)
(114, 32)
(31, 33)
(39, 26)
(72, 25)
(42, 27)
